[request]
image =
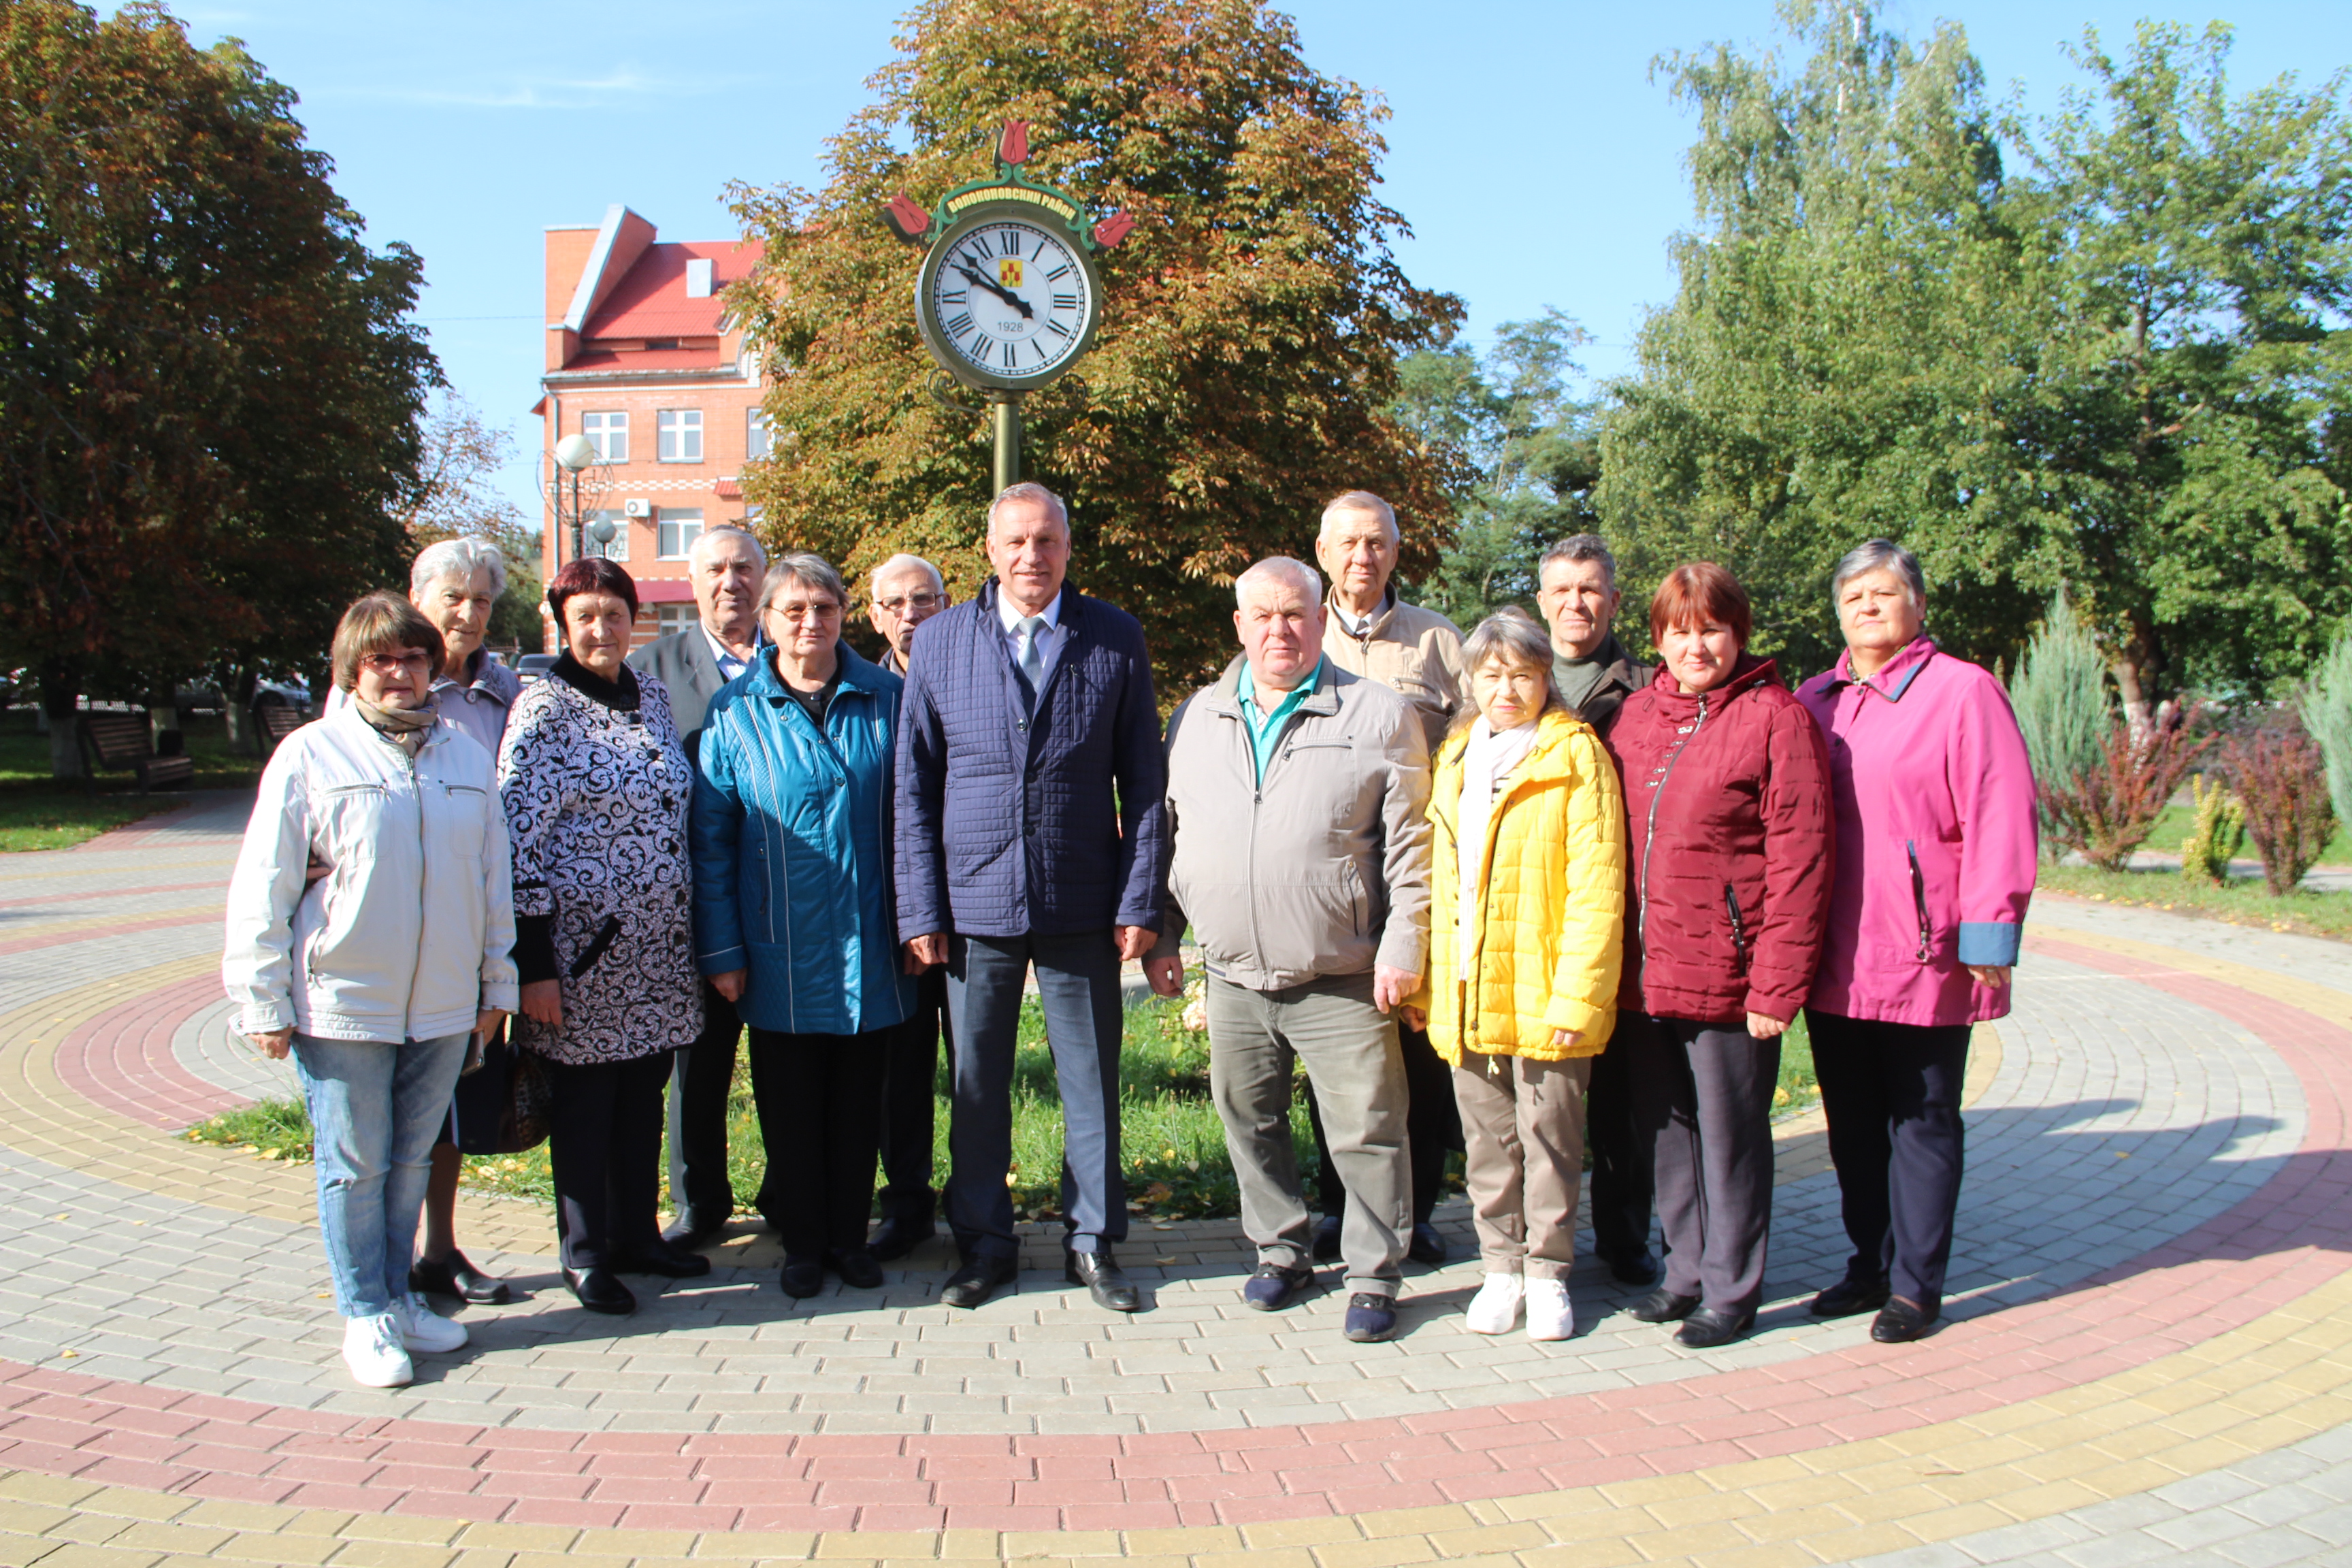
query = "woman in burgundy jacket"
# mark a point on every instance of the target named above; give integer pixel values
(1729, 880)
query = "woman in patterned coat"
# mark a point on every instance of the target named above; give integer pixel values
(597, 788)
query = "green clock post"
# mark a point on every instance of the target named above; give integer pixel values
(1008, 297)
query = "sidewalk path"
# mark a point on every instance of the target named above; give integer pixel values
(2150, 1350)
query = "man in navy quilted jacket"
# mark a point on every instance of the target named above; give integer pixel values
(1032, 833)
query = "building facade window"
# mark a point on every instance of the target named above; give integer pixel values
(673, 617)
(618, 547)
(755, 434)
(609, 434)
(680, 435)
(680, 527)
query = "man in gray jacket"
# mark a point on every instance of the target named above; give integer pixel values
(1301, 860)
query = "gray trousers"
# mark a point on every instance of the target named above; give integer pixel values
(1524, 1123)
(1352, 1061)
(1703, 1098)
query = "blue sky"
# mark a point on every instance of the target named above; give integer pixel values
(467, 129)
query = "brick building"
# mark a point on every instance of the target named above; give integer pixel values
(642, 359)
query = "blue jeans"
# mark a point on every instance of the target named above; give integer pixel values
(375, 1111)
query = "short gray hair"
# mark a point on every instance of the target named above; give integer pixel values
(899, 566)
(1578, 548)
(809, 572)
(1880, 554)
(1519, 638)
(759, 550)
(1360, 500)
(1030, 490)
(1282, 568)
(458, 558)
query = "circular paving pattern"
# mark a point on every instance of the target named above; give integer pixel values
(2146, 1291)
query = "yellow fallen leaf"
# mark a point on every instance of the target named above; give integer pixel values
(69, 1354)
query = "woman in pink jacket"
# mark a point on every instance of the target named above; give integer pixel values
(1935, 807)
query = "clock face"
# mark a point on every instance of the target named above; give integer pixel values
(1009, 299)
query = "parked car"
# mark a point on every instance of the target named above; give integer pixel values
(533, 666)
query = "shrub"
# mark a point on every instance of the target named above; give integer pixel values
(2279, 773)
(2219, 830)
(2107, 810)
(2059, 696)
(2326, 707)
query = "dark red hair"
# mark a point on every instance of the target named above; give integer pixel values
(589, 574)
(1696, 594)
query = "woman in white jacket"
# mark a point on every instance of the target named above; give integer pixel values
(375, 975)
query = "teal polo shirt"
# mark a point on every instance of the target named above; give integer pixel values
(1265, 730)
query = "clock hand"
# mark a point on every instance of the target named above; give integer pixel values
(1006, 295)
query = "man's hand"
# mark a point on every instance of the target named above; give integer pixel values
(1166, 975)
(1416, 1018)
(542, 1003)
(730, 985)
(1134, 942)
(314, 869)
(926, 952)
(1392, 987)
(1764, 1027)
(274, 1045)
(1993, 974)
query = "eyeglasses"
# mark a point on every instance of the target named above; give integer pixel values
(926, 603)
(794, 614)
(391, 664)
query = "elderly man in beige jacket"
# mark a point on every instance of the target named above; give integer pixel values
(1416, 653)
(1296, 797)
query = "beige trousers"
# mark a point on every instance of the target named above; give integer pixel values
(1523, 1124)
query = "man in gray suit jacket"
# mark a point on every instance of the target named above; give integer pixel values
(725, 565)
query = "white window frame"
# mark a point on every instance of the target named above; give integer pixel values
(676, 517)
(618, 548)
(673, 617)
(676, 430)
(609, 433)
(758, 439)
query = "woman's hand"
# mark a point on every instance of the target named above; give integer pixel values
(1993, 974)
(542, 1003)
(487, 1023)
(730, 985)
(1764, 1027)
(1565, 1039)
(274, 1045)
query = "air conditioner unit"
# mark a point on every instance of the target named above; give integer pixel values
(637, 508)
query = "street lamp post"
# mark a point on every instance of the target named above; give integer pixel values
(573, 456)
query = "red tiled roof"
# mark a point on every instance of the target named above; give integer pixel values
(629, 362)
(650, 300)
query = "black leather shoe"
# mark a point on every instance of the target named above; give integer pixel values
(600, 1291)
(1326, 1249)
(977, 1280)
(1850, 1297)
(1634, 1268)
(1899, 1322)
(455, 1276)
(671, 1262)
(801, 1277)
(693, 1232)
(1273, 1287)
(897, 1235)
(1428, 1247)
(1663, 1306)
(1709, 1327)
(857, 1270)
(1099, 1273)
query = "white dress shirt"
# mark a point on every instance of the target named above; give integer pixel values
(730, 664)
(1050, 636)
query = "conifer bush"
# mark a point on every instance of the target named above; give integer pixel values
(2218, 829)
(2059, 696)
(2326, 706)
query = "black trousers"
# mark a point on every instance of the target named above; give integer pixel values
(820, 1100)
(1892, 1094)
(1621, 1159)
(908, 1077)
(1432, 1126)
(699, 1191)
(1703, 1102)
(604, 1139)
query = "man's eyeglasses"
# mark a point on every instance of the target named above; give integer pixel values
(925, 602)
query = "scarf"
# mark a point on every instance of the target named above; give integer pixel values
(1487, 763)
(403, 727)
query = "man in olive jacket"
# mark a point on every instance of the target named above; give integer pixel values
(1296, 796)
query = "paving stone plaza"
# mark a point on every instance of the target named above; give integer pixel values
(2149, 1355)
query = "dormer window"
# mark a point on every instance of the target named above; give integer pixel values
(652, 343)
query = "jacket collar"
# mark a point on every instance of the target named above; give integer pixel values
(1895, 677)
(858, 674)
(1747, 671)
(1374, 624)
(1552, 730)
(1072, 619)
(1225, 697)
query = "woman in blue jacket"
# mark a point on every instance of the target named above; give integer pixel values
(793, 910)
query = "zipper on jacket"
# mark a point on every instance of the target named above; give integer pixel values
(1738, 932)
(1919, 897)
(1649, 829)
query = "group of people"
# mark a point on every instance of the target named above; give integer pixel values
(1511, 893)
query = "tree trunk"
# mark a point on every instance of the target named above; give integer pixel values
(60, 689)
(237, 682)
(163, 713)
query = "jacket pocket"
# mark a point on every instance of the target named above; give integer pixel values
(606, 934)
(1919, 900)
(470, 818)
(1739, 927)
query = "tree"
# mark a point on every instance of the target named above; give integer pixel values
(456, 496)
(1253, 319)
(211, 389)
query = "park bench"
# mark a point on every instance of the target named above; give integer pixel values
(116, 741)
(278, 720)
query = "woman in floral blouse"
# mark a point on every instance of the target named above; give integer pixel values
(596, 788)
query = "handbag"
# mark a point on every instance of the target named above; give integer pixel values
(500, 1106)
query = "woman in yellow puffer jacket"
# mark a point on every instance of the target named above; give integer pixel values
(1529, 884)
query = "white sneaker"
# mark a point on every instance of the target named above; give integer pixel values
(423, 1329)
(1496, 1307)
(1549, 1316)
(371, 1350)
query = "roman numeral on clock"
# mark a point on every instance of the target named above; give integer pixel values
(959, 323)
(1066, 301)
(1058, 273)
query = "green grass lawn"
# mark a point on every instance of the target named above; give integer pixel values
(2242, 902)
(2176, 821)
(38, 812)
